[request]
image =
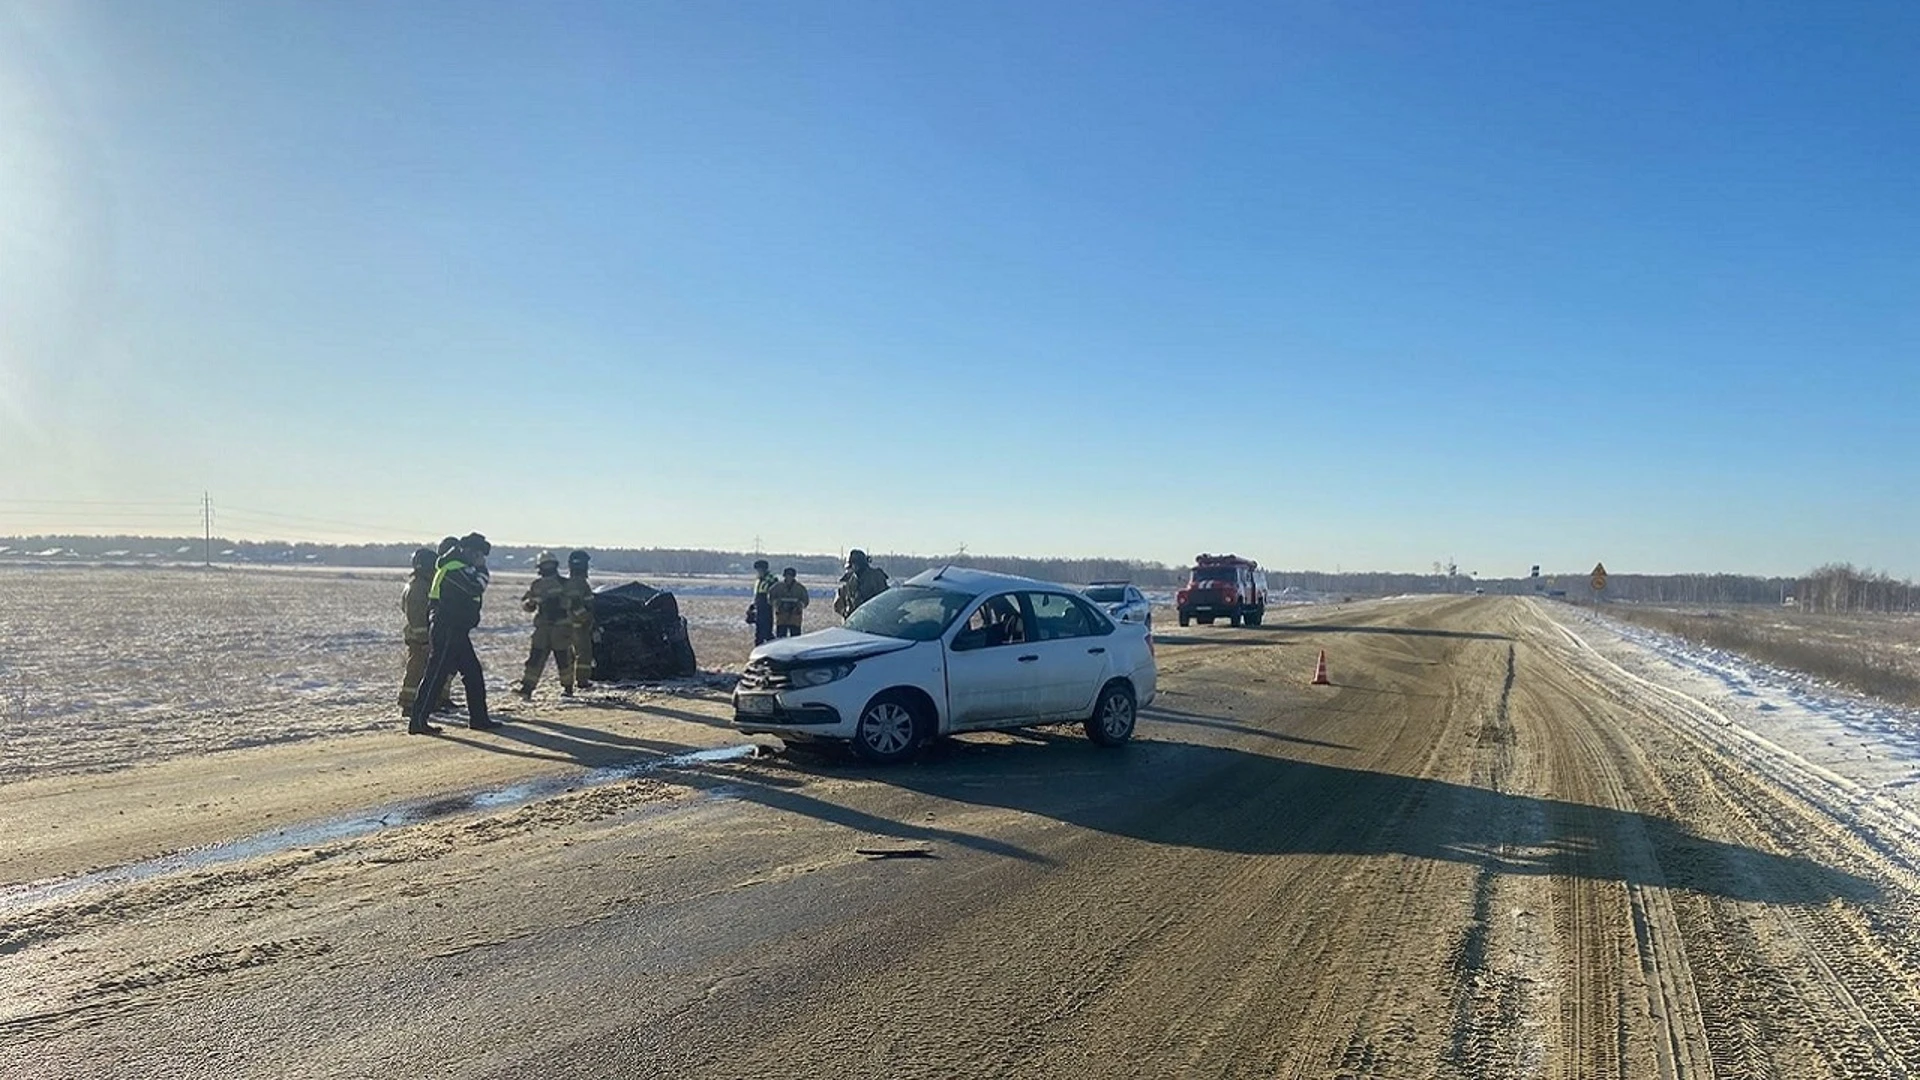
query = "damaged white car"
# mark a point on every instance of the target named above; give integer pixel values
(949, 651)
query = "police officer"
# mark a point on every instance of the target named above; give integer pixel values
(862, 582)
(763, 580)
(552, 626)
(413, 602)
(453, 605)
(789, 599)
(579, 594)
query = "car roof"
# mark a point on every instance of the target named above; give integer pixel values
(1091, 584)
(980, 582)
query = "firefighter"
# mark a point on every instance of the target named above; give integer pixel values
(579, 594)
(862, 582)
(453, 610)
(789, 599)
(413, 601)
(546, 598)
(763, 580)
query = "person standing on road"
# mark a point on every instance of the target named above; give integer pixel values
(789, 599)
(413, 602)
(763, 580)
(862, 582)
(546, 598)
(453, 601)
(579, 594)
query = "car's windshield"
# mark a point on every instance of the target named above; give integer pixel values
(1107, 595)
(1215, 573)
(914, 612)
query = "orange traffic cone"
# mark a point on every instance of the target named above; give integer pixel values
(1320, 671)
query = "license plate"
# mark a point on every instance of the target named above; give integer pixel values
(756, 704)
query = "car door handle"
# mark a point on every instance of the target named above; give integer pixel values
(1028, 659)
(1096, 652)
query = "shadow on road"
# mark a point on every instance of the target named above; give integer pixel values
(1249, 636)
(1228, 799)
(1397, 631)
(1192, 719)
(1233, 800)
(656, 709)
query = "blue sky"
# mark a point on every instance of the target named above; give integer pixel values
(1332, 284)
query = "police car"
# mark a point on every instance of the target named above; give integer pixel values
(1121, 600)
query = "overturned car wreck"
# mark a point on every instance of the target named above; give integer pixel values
(639, 635)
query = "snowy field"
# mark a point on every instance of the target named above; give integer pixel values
(1868, 751)
(108, 666)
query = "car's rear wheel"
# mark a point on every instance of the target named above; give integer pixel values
(1113, 715)
(1184, 618)
(891, 729)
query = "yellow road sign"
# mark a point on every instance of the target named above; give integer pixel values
(1599, 576)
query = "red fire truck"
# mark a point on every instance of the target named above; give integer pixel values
(1224, 585)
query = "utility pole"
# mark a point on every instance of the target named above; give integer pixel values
(206, 522)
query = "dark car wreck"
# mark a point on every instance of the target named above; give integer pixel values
(639, 635)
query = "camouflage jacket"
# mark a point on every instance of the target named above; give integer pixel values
(547, 599)
(413, 601)
(789, 601)
(857, 587)
(579, 596)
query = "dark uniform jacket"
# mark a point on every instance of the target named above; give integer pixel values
(457, 590)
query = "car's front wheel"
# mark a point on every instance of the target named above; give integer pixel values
(891, 729)
(1113, 715)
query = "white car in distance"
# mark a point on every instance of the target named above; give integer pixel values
(1122, 600)
(948, 651)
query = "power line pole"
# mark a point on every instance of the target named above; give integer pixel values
(206, 521)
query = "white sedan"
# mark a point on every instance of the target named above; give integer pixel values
(948, 651)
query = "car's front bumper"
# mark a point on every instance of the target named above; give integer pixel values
(777, 712)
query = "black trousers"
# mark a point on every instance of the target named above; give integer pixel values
(452, 650)
(762, 622)
(786, 631)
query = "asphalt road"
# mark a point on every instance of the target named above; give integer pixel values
(1485, 851)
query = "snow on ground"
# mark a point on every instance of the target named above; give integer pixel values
(1860, 749)
(109, 666)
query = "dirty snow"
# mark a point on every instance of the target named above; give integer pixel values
(1843, 747)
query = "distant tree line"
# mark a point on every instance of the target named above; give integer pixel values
(1832, 588)
(1688, 589)
(1839, 588)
